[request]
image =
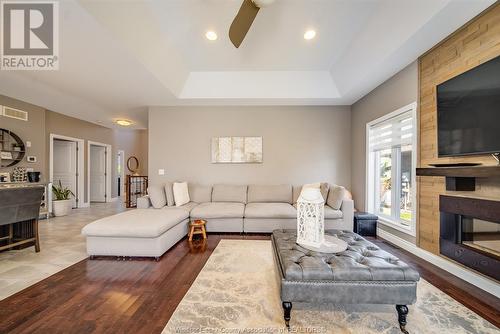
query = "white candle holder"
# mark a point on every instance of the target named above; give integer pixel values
(311, 224)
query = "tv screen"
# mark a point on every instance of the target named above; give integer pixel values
(468, 112)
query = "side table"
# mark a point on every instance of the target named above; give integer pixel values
(197, 227)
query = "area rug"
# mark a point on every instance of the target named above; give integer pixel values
(237, 292)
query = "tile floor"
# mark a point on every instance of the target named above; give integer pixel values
(61, 245)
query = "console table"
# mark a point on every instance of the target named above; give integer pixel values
(19, 212)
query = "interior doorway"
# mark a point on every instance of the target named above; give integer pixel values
(99, 172)
(120, 173)
(97, 157)
(66, 165)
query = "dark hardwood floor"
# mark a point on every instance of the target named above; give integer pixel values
(140, 295)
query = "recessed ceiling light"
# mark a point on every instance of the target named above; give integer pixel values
(123, 122)
(211, 35)
(310, 34)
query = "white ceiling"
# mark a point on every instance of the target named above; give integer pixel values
(120, 56)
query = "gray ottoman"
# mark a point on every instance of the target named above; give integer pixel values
(363, 274)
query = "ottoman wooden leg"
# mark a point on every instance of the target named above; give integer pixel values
(402, 313)
(287, 308)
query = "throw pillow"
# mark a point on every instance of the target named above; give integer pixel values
(170, 194)
(181, 193)
(335, 197)
(157, 196)
(324, 188)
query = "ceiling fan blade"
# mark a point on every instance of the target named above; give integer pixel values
(242, 22)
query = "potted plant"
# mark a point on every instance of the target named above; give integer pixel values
(61, 205)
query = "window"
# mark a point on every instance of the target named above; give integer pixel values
(391, 162)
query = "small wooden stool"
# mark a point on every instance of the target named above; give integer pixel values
(197, 227)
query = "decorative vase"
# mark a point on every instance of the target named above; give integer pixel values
(311, 224)
(61, 208)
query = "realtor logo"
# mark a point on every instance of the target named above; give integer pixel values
(30, 35)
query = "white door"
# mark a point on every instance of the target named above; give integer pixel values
(65, 166)
(97, 156)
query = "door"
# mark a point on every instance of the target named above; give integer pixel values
(97, 156)
(65, 166)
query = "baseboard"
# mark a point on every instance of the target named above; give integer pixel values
(480, 281)
(113, 199)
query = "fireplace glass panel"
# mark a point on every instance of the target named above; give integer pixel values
(481, 235)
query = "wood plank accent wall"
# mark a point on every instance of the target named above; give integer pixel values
(473, 44)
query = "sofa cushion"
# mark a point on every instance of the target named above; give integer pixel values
(218, 210)
(229, 193)
(138, 223)
(332, 213)
(169, 192)
(187, 207)
(270, 194)
(335, 196)
(181, 193)
(157, 196)
(199, 193)
(270, 210)
(296, 190)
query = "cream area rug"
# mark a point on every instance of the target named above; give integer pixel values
(237, 291)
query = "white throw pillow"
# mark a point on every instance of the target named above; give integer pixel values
(181, 193)
(157, 196)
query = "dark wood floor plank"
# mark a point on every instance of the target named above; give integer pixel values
(140, 295)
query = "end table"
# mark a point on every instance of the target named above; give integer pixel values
(197, 227)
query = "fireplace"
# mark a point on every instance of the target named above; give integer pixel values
(470, 233)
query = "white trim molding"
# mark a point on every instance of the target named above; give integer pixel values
(473, 278)
(369, 167)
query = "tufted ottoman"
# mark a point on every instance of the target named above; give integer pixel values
(363, 274)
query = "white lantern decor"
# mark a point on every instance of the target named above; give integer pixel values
(311, 224)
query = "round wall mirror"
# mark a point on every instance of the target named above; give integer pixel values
(133, 164)
(12, 149)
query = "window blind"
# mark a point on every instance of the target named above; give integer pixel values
(393, 132)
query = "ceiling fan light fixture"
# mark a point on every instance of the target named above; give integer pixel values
(123, 122)
(309, 34)
(211, 35)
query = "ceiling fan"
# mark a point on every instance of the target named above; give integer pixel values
(244, 19)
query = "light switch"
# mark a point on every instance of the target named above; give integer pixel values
(28, 144)
(161, 172)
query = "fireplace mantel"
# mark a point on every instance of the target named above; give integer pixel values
(461, 178)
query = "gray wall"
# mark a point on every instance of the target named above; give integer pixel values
(33, 131)
(300, 144)
(41, 123)
(396, 92)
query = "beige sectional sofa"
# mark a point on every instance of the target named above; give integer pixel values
(257, 208)
(152, 230)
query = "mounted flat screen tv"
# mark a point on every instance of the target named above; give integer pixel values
(468, 112)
